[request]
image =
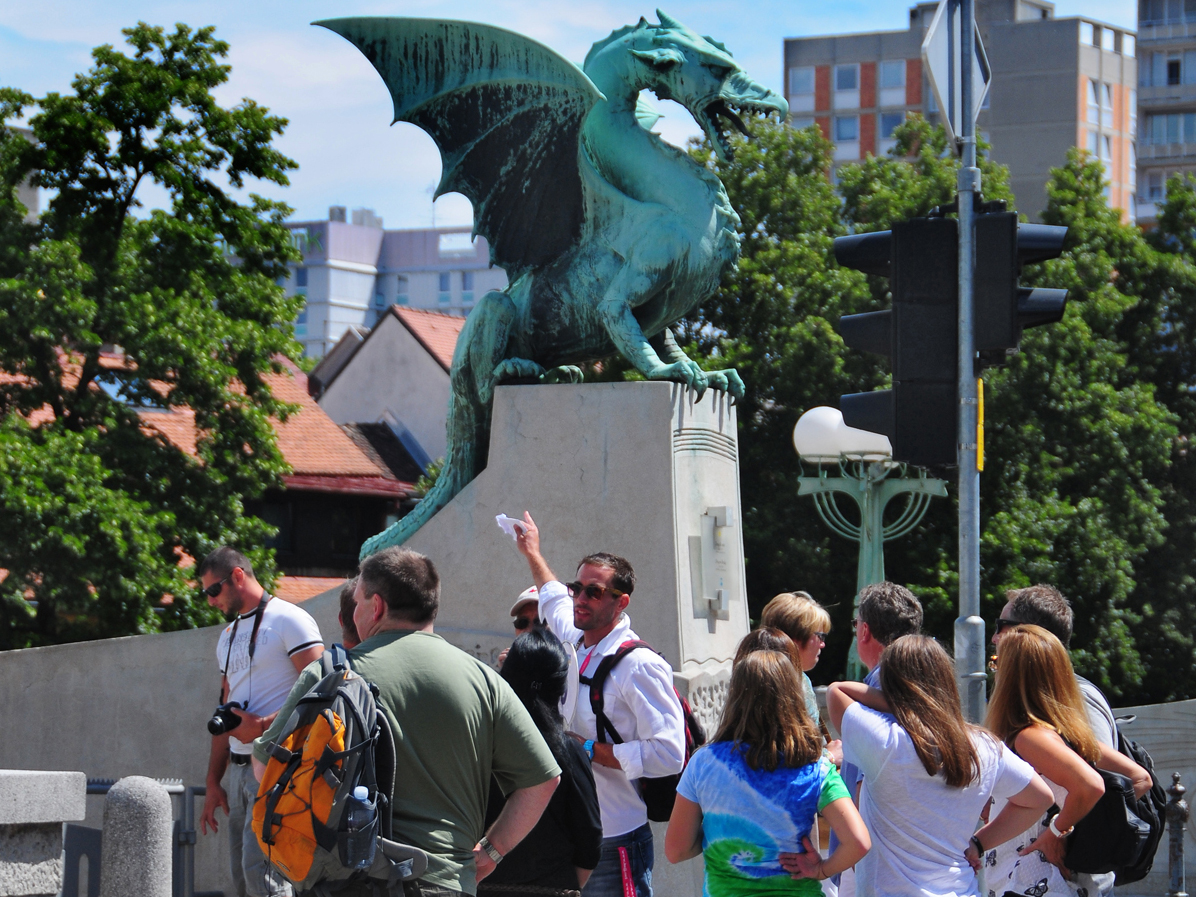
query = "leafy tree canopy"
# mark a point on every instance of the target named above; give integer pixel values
(108, 318)
(1087, 481)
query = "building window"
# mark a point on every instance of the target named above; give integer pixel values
(1093, 102)
(847, 128)
(847, 77)
(1189, 67)
(1133, 165)
(1092, 143)
(445, 296)
(798, 122)
(1128, 45)
(1133, 113)
(1174, 71)
(1106, 105)
(401, 289)
(301, 281)
(467, 287)
(1087, 35)
(1106, 151)
(889, 122)
(301, 324)
(892, 73)
(1155, 186)
(801, 89)
(1107, 39)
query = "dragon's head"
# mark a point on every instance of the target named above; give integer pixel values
(698, 72)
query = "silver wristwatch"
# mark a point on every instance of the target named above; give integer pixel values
(491, 850)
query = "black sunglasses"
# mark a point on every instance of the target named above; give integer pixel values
(215, 588)
(1003, 624)
(522, 623)
(593, 591)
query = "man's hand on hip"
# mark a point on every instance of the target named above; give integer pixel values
(215, 797)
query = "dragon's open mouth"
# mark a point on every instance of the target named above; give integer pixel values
(712, 121)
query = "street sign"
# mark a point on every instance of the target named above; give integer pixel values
(941, 53)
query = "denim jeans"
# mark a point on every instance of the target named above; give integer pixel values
(625, 868)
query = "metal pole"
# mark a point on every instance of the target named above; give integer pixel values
(969, 627)
(1177, 816)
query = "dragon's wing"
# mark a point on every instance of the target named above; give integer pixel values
(506, 113)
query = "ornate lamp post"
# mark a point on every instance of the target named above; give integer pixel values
(871, 479)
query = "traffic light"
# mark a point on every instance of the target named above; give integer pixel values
(919, 333)
(1002, 309)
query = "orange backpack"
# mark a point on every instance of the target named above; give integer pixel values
(335, 741)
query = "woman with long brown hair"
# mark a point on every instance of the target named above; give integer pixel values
(927, 775)
(754, 791)
(1038, 711)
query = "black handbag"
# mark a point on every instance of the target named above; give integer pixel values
(1112, 835)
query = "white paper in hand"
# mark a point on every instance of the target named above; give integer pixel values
(508, 525)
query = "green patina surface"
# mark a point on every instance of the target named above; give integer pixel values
(608, 234)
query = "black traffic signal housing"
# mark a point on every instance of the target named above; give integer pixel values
(920, 333)
(1001, 308)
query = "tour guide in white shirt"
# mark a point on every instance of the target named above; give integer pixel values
(639, 701)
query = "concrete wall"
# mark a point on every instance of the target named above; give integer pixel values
(392, 372)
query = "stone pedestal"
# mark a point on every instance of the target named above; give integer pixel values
(638, 469)
(33, 808)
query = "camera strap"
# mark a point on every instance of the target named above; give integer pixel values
(258, 613)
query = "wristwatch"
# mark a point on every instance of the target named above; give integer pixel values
(588, 747)
(491, 850)
(1055, 831)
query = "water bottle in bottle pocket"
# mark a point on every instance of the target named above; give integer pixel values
(358, 834)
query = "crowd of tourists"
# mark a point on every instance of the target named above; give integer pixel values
(530, 780)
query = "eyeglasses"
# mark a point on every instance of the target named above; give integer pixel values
(1003, 624)
(522, 623)
(593, 591)
(215, 588)
(821, 636)
(855, 621)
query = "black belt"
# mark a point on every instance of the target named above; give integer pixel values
(241, 759)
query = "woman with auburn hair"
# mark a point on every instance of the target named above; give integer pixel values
(1037, 710)
(805, 621)
(928, 774)
(754, 791)
(767, 639)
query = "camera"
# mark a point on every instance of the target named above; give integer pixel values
(225, 718)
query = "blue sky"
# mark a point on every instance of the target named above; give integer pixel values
(338, 109)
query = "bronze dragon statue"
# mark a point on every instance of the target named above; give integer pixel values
(608, 234)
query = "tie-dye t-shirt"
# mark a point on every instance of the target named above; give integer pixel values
(749, 816)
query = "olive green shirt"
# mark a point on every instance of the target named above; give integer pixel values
(455, 722)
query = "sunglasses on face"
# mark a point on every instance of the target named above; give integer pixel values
(522, 623)
(215, 588)
(1003, 624)
(593, 591)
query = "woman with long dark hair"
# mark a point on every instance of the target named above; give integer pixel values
(755, 790)
(928, 775)
(1038, 711)
(558, 855)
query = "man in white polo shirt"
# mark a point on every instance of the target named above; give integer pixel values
(260, 653)
(639, 701)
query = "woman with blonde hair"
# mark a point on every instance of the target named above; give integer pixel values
(1037, 710)
(928, 774)
(753, 793)
(805, 621)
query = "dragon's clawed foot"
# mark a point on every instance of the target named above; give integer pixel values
(517, 369)
(685, 371)
(566, 373)
(727, 381)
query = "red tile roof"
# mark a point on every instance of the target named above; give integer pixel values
(436, 332)
(297, 589)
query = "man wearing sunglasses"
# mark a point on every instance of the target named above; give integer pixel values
(1043, 605)
(589, 613)
(260, 653)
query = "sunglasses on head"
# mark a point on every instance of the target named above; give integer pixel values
(593, 591)
(215, 588)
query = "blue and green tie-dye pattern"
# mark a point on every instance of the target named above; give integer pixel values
(750, 816)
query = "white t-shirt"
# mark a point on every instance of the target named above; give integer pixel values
(265, 683)
(920, 827)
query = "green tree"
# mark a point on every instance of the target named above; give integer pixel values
(106, 315)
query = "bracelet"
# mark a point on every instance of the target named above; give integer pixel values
(491, 850)
(1055, 831)
(588, 747)
(976, 843)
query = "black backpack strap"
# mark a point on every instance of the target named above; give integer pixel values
(598, 681)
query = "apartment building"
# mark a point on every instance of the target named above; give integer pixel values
(1057, 83)
(353, 271)
(1166, 98)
